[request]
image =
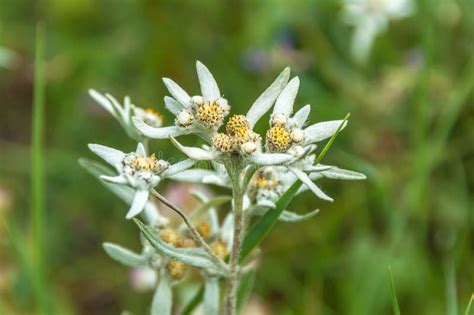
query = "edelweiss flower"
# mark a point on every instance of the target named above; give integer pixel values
(124, 113)
(370, 18)
(239, 140)
(137, 170)
(199, 114)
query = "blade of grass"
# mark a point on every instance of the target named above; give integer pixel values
(263, 226)
(37, 172)
(450, 275)
(194, 302)
(468, 309)
(396, 308)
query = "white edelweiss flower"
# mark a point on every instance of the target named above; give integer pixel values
(137, 170)
(370, 18)
(201, 114)
(287, 133)
(239, 139)
(124, 113)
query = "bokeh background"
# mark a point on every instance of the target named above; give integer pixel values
(411, 131)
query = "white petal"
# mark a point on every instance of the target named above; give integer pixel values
(216, 180)
(109, 155)
(177, 92)
(178, 167)
(301, 116)
(102, 100)
(307, 181)
(209, 88)
(194, 153)
(140, 151)
(321, 131)
(173, 105)
(265, 101)
(261, 158)
(339, 173)
(138, 203)
(118, 108)
(193, 176)
(158, 133)
(284, 103)
(115, 179)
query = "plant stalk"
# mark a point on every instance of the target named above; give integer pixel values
(194, 233)
(233, 279)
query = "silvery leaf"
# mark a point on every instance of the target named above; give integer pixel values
(163, 297)
(192, 176)
(178, 168)
(177, 92)
(284, 102)
(317, 168)
(265, 101)
(138, 203)
(194, 153)
(173, 105)
(312, 186)
(321, 131)
(123, 255)
(227, 230)
(158, 133)
(209, 89)
(211, 296)
(261, 158)
(121, 115)
(245, 288)
(339, 173)
(288, 216)
(211, 203)
(121, 180)
(213, 218)
(301, 116)
(102, 100)
(192, 256)
(109, 155)
(216, 180)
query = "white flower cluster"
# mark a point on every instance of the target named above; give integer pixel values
(258, 169)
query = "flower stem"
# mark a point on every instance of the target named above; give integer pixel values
(194, 233)
(233, 279)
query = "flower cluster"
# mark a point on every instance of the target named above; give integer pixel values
(258, 169)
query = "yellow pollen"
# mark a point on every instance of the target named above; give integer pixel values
(204, 229)
(210, 115)
(262, 182)
(237, 123)
(278, 139)
(176, 269)
(147, 163)
(171, 237)
(223, 143)
(151, 111)
(219, 248)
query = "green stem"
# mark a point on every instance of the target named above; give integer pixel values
(194, 233)
(233, 279)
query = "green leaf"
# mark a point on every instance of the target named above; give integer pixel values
(396, 308)
(163, 298)
(211, 296)
(468, 309)
(263, 226)
(123, 255)
(194, 302)
(192, 256)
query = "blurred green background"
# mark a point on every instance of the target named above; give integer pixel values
(411, 131)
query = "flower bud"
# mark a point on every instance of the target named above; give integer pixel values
(184, 118)
(248, 147)
(278, 119)
(176, 269)
(297, 135)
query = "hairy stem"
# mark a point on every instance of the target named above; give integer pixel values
(194, 233)
(233, 279)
